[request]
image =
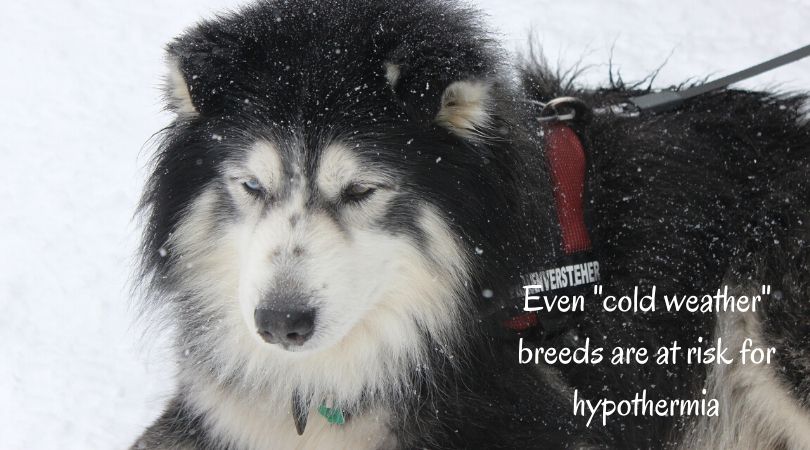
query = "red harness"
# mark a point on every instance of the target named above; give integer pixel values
(567, 166)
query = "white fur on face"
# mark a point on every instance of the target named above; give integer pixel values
(375, 292)
(465, 108)
(178, 92)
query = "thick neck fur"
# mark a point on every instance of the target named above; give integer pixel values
(370, 374)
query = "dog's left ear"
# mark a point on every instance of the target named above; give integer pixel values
(466, 108)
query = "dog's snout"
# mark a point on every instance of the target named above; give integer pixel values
(285, 327)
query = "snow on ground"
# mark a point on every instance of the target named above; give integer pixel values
(80, 99)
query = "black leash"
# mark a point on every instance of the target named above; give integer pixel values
(666, 100)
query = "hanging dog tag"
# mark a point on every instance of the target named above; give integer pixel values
(335, 416)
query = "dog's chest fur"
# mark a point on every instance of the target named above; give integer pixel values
(251, 422)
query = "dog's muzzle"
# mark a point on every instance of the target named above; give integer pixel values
(288, 328)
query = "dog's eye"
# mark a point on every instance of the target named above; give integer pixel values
(252, 186)
(356, 192)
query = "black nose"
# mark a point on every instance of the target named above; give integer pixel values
(287, 328)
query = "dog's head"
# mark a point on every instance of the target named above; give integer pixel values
(331, 179)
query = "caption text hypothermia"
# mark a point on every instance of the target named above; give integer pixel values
(641, 406)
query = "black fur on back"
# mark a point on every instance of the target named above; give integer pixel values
(717, 191)
(680, 200)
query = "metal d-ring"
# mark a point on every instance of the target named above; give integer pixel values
(552, 109)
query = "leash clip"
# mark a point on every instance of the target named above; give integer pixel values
(625, 109)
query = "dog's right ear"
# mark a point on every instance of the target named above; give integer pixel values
(177, 90)
(466, 109)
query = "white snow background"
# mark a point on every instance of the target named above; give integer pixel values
(79, 98)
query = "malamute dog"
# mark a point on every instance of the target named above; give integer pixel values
(338, 216)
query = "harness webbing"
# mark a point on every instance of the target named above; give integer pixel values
(567, 163)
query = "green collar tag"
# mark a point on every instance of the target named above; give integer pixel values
(333, 415)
